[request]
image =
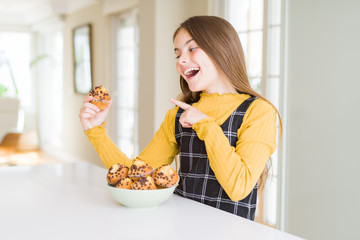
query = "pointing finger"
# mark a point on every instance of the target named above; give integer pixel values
(181, 104)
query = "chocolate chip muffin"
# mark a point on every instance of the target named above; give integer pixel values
(116, 172)
(165, 176)
(144, 183)
(124, 183)
(101, 97)
(139, 168)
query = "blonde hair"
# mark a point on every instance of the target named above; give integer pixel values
(218, 38)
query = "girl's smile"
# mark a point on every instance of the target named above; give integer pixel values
(191, 73)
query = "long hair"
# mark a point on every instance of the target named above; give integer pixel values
(220, 41)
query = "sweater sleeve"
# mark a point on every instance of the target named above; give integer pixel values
(108, 152)
(161, 150)
(238, 169)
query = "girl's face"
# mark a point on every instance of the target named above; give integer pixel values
(197, 68)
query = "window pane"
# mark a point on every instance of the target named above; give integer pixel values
(256, 84)
(274, 51)
(270, 198)
(57, 88)
(244, 42)
(126, 35)
(126, 96)
(127, 147)
(127, 82)
(245, 15)
(252, 44)
(126, 59)
(7, 86)
(274, 12)
(50, 77)
(126, 123)
(14, 65)
(273, 91)
(238, 14)
(275, 164)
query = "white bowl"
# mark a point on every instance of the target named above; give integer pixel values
(141, 198)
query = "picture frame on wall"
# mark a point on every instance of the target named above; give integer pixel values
(82, 57)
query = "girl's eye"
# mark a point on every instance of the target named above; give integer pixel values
(177, 57)
(193, 49)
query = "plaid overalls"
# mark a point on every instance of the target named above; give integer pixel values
(197, 180)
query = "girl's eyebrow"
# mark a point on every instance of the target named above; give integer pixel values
(186, 43)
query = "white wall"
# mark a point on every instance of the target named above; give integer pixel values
(323, 123)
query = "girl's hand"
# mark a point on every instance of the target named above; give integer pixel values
(90, 115)
(190, 116)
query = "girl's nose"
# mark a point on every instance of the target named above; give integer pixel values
(182, 59)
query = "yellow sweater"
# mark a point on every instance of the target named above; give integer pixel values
(237, 169)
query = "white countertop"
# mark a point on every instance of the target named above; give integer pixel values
(71, 201)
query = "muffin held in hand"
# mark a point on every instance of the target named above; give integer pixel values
(139, 168)
(144, 183)
(116, 172)
(124, 183)
(101, 97)
(165, 176)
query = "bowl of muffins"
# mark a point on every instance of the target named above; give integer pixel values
(140, 185)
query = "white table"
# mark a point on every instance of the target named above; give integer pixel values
(71, 201)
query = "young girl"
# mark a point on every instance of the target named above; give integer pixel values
(223, 131)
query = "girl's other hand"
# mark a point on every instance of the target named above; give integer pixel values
(90, 115)
(190, 116)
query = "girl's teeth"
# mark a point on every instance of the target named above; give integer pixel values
(188, 71)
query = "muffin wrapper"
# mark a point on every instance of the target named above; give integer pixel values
(101, 101)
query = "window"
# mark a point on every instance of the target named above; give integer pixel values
(50, 50)
(126, 82)
(57, 89)
(260, 28)
(15, 78)
(15, 81)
